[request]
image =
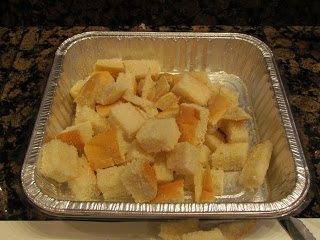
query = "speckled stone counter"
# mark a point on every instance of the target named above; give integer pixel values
(27, 55)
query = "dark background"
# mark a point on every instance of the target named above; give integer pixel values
(155, 13)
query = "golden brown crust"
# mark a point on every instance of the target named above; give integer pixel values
(72, 138)
(103, 150)
(150, 174)
(170, 192)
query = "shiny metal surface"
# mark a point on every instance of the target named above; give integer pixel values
(261, 93)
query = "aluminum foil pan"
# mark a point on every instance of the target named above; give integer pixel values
(255, 77)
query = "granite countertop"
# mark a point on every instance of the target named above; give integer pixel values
(27, 55)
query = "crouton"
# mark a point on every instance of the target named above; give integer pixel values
(236, 131)
(184, 158)
(140, 180)
(192, 121)
(170, 193)
(230, 156)
(77, 135)
(158, 135)
(140, 68)
(256, 166)
(128, 82)
(191, 90)
(99, 124)
(114, 66)
(58, 161)
(168, 113)
(167, 101)
(84, 187)
(214, 140)
(135, 152)
(106, 149)
(218, 106)
(76, 88)
(103, 110)
(127, 118)
(110, 184)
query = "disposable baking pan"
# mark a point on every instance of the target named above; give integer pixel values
(255, 77)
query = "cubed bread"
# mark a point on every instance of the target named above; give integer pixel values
(140, 180)
(145, 104)
(170, 192)
(135, 152)
(236, 114)
(99, 124)
(162, 87)
(76, 88)
(158, 135)
(256, 166)
(168, 76)
(184, 158)
(214, 234)
(169, 100)
(103, 110)
(217, 182)
(173, 230)
(207, 194)
(236, 131)
(90, 91)
(106, 149)
(113, 65)
(128, 81)
(218, 106)
(232, 96)
(140, 68)
(237, 229)
(77, 135)
(163, 173)
(127, 118)
(191, 90)
(192, 121)
(110, 184)
(110, 93)
(204, 79)
(84, 187)
(214, 140)
(146, 88)
(198, 183)
(58, 161)
(230, 156)
(204, 155)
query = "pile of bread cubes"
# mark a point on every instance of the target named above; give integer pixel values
(141, 135)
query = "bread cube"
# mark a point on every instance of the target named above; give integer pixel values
(85, 114)
(163, 173)
(113, 65)
(145, 104)
(232, 96)
(175, 229)
(58, 161)
(127, 118)
(229, 156)
(76, 88)
(158, 135)
(110, 184)
(192, 121)
(140, 180)
(215, 234)
(236, 131)
(217, 182)
(140, 68)
(91, 90)
(256, 166)
(110, 93)
(236, 114)
(77, 135)
(127, 81)
(191, 90)
(106, 149)
(103, 110)
(146, 88)
(184, 158)
(204, 155)
(135, 152)
(213, 141)
(170, 192)
(167, 101)
(84, 187)
(162, 87)
(218, 106)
